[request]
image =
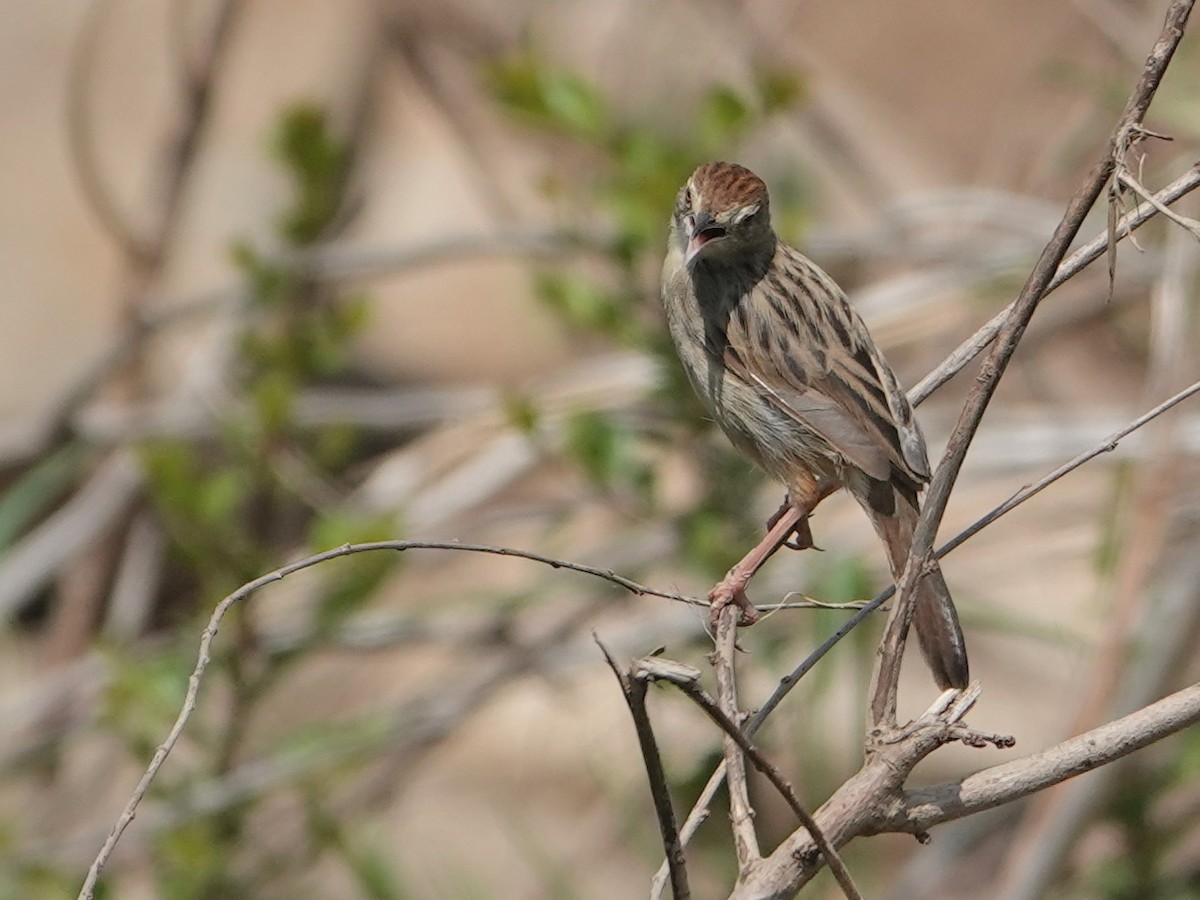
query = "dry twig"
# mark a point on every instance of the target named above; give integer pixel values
(886, 677)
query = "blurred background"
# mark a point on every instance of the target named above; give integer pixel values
(282, 274)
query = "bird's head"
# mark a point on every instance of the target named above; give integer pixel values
(722, 211)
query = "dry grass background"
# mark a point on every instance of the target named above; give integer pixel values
(935, 147)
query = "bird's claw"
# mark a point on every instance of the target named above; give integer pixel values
(801, 537)
(725, 595)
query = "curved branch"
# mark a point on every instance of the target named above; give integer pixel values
(204, 657)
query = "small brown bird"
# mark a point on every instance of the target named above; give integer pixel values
(787, 369)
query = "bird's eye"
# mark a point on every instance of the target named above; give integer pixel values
(687, 196)
(748, 213)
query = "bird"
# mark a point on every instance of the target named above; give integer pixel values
(786, 367)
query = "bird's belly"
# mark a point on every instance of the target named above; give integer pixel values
(784, 448)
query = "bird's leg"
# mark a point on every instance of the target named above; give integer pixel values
(791, 519)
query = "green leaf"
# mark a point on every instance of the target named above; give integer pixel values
(269, 284)
(375, 872)
(574, 104)
(316, 159)
(845, 579)
(143, 695)
(514, 82)
(708, 542)
(584, 303)
(555, 100)
(351, 582)
(521, 412)
(274, 394)
(172, 470)
(222, 495)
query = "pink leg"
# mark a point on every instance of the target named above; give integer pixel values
(790, 519)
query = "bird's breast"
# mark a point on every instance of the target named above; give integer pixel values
(697, 316)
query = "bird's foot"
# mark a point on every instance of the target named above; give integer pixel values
(800, 537)
(731, 591)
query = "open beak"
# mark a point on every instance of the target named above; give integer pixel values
(702, 230)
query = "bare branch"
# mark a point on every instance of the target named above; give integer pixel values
(1016, 499)
(687, 680)
(699, 810)
(868, 795)
(885, 679)
(1072, 266)
(740, 812)
(925, 807)
(209, 635)
(633, 686)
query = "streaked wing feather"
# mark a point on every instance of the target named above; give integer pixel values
(810, 353)
(828, 419)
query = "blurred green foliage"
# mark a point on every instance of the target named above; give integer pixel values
(232, 505)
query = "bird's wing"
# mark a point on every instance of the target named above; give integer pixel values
(807, 350)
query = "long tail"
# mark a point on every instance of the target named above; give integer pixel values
(936, 621)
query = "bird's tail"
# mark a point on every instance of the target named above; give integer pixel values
(934, 617)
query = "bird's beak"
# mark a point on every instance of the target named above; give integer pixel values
(702, 230)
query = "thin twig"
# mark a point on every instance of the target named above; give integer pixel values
(1105, 446)
(695, 818)
(210, 632)
(1055, 819)
(634, 690)
(336, 262)
(1072, 266)
(222, 608)
(687, 680)
(1185, 222)
(741, 813)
